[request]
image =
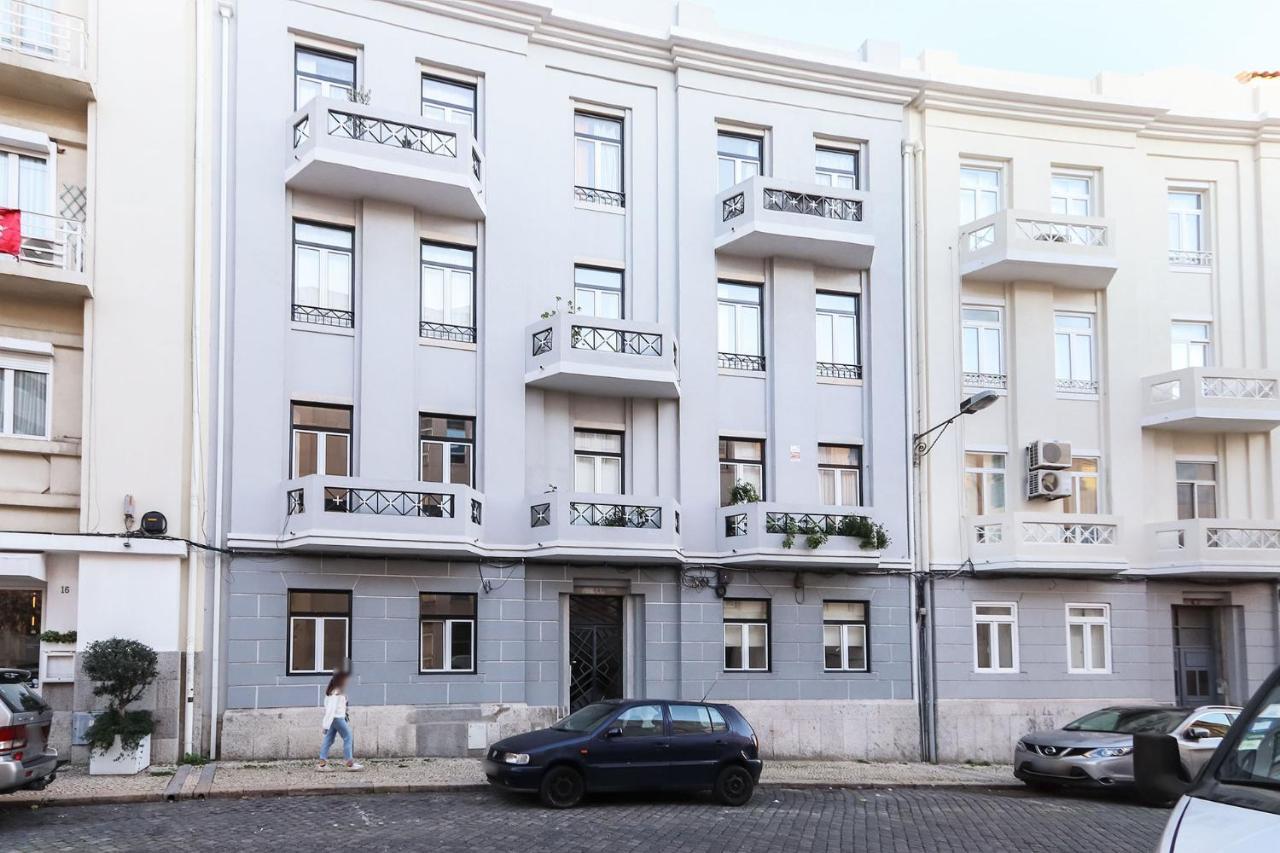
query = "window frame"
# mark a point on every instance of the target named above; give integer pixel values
(473, 85)
(353, 59)
(743, 626)
(319, 616)
(622, 289)
(1188, 343)
(760, 324)
(464, 334)
(739, 463)
(596, 455)
(447, 443)
(756, 138)
(831, 147)
(1178, 482)
(845, 624)
(293, 438)
(1201, 215)
(596, 142)
(1063, 383)
(1075, 476)
(294, 243)
(1087, 642)
(831, 466)
(997, 169)
(20, 356)
(994, 648)
(1089, 176)
(1001, 376)
(449, 621)
(984, 472)
(49, 202)
(834, 313)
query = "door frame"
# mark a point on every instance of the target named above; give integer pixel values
(629, 663)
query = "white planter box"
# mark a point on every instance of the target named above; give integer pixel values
(116, 762)
(57, 663)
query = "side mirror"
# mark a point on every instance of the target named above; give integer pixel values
(613, 732)
(1198, 733)
(1157, 769)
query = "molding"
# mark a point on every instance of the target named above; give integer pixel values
(138, 546)
(1097, 113)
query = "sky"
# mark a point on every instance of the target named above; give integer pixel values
(1075, 38)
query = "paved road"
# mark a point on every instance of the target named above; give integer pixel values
(776, 819)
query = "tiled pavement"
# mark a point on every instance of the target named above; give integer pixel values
(776, 819)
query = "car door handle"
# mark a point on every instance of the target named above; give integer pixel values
(664, 746)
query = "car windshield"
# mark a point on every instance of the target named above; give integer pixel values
(1129, 721)
(1255, 759)
(586, 719)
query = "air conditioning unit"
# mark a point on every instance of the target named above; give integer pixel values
(1048, 455)
(1047, 485)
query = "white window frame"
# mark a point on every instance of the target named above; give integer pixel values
(994, 649)
(321, 443)
(1187, 343)
(1076, 476)
(449, 622)
(1064, 383)
(744, 626)
(447, 271)
(596, 291)
(976, 189)
(44, 152)
(986, 472)
(1196, 484)
(828, 177)
(1090, 197)
(26, 357)
(1087, 644)
(1200, 215)
(978, 327)
(864, 627)
(597, 457)
(447, 445)
(318, 652)
(599, 144)
(842, 500)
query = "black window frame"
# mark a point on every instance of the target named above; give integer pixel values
(462, 84)
(331, 54)
(621, 455)
(854, 151)
(470, 441)
(349, 433)
(475, 631)
(768, 635)
(730, 360)
(857, 328)
(866, 633)
(463, 334)
(733, 460)
(294, 242)
(622, 288)
(757, 139)
(857, 449)
(290, 614)
(615, 198)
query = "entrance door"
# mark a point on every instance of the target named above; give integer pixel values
(1195, 655)
(595, 649)
(20, 629)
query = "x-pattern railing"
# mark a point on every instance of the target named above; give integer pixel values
(388, 502)
(988, 534)
(1165, 392)
(980, 238)
(540, 515)
(542, 341)
(810, 204)
(733, 207)
(600, 339)
(1256, 538)
(736, 524)
(296, 502)
(1050, 231)
(1068, 533)
(615, 515)
(996, 381)
(446, 332)
(778, 522)
(477, 511)
(302, 130)
(1239, 388)
(393, 133)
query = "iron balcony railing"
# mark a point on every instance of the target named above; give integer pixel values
(792, 201)
(599, 339)
(1182, 258)
(446, 332)
(596, 514)
(380, 502)
(836, 370)
(995, 381)
(51, 241)
(739, 361)
(595, 195)
(36, 30)
(324, 316)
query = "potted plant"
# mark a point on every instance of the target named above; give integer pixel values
(119, 739)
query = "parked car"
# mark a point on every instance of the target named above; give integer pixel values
(26, 759)
(1097, 749)
(632, 745)
(1233, 806)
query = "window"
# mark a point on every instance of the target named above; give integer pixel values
(597, 144)
(1192, 345)
(836, 167)
(320, 74)
(323, 273)
(447, 444)
(746, 634)
(695, 720)
(640, 721)
(979, 192)
(1086, 496)
(1071, 195)
(741, 461)
(837, 335)
(26, 401)
(1073, 353)
(738, 157)
(20, 627)
(449, 100)
(321, 440)
(1186, 228)
(1088, 638)
(844, 636)
(448, 291)
(983, 346)
(740, 325)
(597, 462)
(984, 483)
(25, 184)
(839, 475)
(319, 630)
(1197, 484)
(995, 637)
(448, 631)
(597, 292)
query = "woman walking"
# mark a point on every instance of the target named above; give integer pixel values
(337, 722)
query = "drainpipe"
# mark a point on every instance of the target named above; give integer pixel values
(225, 11)
(193, 506)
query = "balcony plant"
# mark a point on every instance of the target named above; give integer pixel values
(743, 493)
(58, 637)
(568, 304)
(120, 739)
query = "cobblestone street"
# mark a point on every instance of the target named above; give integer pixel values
(776, 819)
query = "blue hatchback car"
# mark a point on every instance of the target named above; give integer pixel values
(632, 745)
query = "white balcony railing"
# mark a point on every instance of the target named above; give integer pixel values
(1212, 399)
(1015, 245)
(1215, 546)
(36, 30)
(1087, 544)
(51, 241)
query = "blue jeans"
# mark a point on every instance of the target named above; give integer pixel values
(337, 727)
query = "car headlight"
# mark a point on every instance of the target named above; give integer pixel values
(515, 758)
(1108, 752)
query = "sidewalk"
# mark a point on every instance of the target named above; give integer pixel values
(75, 786)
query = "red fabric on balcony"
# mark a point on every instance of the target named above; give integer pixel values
(10, 231)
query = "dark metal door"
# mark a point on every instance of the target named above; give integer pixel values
(1195, 655)
(595, 649)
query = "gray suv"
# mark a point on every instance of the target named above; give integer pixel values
(1097, 749)
(26, 759)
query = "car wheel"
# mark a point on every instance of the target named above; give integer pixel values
(561, 788)
(734, 786)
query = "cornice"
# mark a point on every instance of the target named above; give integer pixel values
(1027, 106)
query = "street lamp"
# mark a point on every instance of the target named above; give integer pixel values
(922, 444)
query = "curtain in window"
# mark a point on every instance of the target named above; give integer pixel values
(30, 402)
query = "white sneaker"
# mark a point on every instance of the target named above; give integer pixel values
(323, 768)
(355, 765)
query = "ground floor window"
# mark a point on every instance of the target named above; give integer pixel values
(844, 636)
(995, 636)
(448, 626)
(746, 634)
(1089, 638)
(319, 630)
(20, 628)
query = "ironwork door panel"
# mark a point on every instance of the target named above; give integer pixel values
(1195, 655)
(595, 649)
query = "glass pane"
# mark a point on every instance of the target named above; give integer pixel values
(448, 256)
(30, 402)
(748, 330)
(984, 645)
(306, 276)
(323, 65)
(1062, 356)
(828, 158)
(846, 340)
(994, 610)
(321, 417)
(1075, 633)
(1097, 647)
(756, 653)
(584, 474)
(458, 94)
(843, 611)
(303, 650)
(1197, 470)
(969, 358)
(1186, 501)
(825, 337)
(337, 453)
(433, 644)
(849, 490)
(725, 328)
(610, 476)
(827, 486)
(1004, 634)
(460, 645)
(305, 453)
(1081, 357)
(446, 604)
(33, 185)
(831, 646)
(600, 279)
(609, 306)
(733, 647)
(995, 492)
(727, 174)
(728, 479)
(460, 464)
(458, 311)
(689, 720)
(330, 236)
(335, 643)
(433, 309)
(436, 426)
(584, 302)
(597, 442)
(738, 146)
(989, 351)
(610, 170)
(597, 126)
(584, 163)
(838, 303)
(856, 646)
(746, 609)
(641, 721)
(432, 462)
(1206, 501)
(337, 282)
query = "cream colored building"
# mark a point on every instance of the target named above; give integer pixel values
(1098, 253)
(96, 150)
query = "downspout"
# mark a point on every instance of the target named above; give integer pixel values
(219, 443)
(193, 506)
(913, 532)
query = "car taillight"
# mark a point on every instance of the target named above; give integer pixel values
(44, 732)
(12, 737)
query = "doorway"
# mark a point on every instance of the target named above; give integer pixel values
(1195, 654)
(595, 649)
(20, 628)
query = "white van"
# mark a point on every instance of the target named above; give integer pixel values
(1233, 806)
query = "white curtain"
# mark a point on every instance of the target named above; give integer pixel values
(30, 402)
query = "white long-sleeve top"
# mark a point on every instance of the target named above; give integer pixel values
(335, 708)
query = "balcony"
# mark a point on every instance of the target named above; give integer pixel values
(325, 513)
(619, 528)
(757, 533)
(1212, 399)
(350, 150)
(767, 217)
(601, 357)
(1215, 546)
(1057, 544)
(50, 260)
(43, 55)
(1017, 245)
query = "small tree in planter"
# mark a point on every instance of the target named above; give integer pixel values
(120, 739)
